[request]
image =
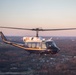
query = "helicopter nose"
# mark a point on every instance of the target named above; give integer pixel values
(58, 49)
(55, 50)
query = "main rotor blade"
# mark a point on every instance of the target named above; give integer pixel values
(15, 28)
(59, 29)
(33, 29)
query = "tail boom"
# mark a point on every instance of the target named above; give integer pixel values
(11, 43)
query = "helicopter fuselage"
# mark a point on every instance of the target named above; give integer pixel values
(40, 45)
(35, 45)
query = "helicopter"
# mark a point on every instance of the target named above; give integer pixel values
(35, 44)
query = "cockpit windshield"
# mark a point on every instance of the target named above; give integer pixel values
(51, 44)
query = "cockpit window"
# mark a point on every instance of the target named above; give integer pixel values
(51, 43)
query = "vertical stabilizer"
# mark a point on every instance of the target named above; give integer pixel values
(3, 37)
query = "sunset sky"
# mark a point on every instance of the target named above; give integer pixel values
(38, 13)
